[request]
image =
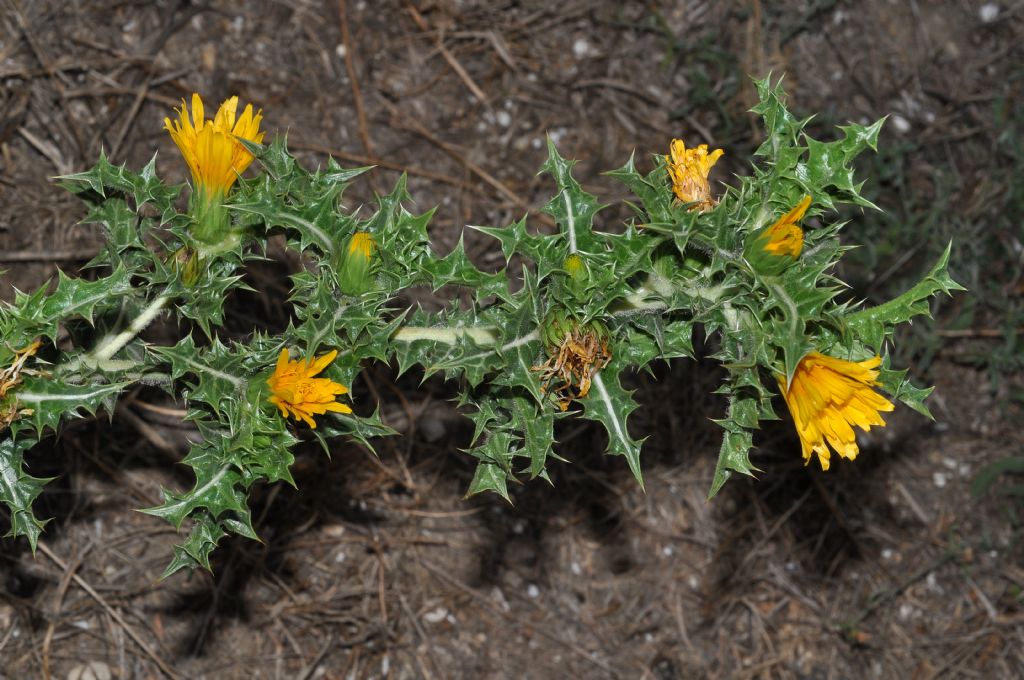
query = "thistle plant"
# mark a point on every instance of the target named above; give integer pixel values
(593, 304)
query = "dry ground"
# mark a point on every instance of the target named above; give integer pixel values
(883, 568)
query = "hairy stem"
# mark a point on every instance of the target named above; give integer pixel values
(481, 335)
(113, 343)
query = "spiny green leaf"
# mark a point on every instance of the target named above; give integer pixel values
(195, 551)
(874, 324)
(732, 457)
(610, 404)
(51, 400)
(455, 268)
(572, 208)
(217, 488)
(495, 465)
(43, 313)
(18, 489)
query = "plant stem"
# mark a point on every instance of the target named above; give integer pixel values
(111, 344)
(481, 335)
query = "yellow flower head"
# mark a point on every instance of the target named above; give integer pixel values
(785, 237)
(827, 396)
(689, 170)
(294, 388)
(213, 154)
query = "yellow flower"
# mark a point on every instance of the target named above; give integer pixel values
(827, 396)
(210, 148)
(295, 390)
(689, 170)
(785, 237)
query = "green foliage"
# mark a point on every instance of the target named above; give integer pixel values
(592, 307)
(989, 475)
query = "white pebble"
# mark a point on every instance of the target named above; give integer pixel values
(901, 124)
(989, 12)
(436, 615)
(939, 479)
(533, 591)
(340, 50)
(580, 48)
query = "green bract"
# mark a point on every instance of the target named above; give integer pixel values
(631, 295)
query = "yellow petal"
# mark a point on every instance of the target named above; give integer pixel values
(827, 397)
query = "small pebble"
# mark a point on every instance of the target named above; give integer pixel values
(436, 615)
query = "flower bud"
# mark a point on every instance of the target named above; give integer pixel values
(578, 272)
(771, 249)
(186, 262)
(354, 272)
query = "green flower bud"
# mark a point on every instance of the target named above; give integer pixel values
(771, 249)
(578, 272)
(186, 262)
(354, 272)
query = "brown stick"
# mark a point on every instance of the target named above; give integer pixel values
(380, 162)
(357, 95)
(418, 128)
(448, 56)
(114, 614)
